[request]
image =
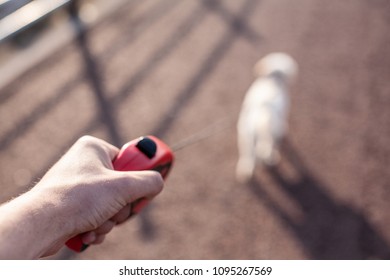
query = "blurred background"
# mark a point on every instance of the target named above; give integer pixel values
(177, 69)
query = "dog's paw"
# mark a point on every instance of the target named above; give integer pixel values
(273, 158)
(244, 171)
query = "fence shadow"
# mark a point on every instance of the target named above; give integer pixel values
(236, 27)
(328, 230)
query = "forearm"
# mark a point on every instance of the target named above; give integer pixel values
(28, 226)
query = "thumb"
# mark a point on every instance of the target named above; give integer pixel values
(139, 184)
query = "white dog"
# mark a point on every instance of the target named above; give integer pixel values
(263, 118)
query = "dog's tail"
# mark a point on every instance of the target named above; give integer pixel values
(277, 63)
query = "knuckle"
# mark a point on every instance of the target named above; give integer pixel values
(87, 140)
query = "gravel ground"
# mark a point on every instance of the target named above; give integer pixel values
(174, 68)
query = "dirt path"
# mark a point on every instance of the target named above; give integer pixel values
(171, 68)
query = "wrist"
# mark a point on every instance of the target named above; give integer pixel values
(38, 227)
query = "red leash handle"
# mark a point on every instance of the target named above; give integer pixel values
(144, 153)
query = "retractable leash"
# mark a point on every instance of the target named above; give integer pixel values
(150, 153)
(144, 153)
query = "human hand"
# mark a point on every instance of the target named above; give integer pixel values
(82, 194)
